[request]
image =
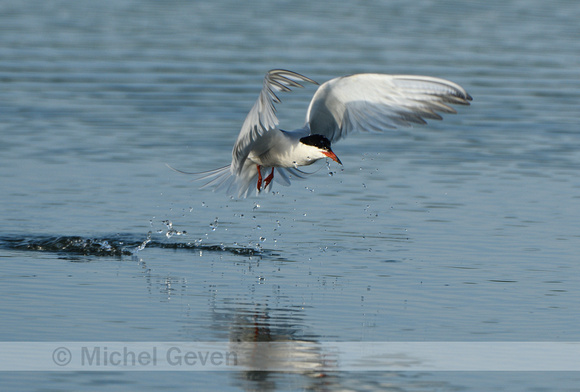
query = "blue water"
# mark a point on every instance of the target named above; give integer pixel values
(463, 230)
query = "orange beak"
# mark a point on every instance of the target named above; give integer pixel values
(332, 156)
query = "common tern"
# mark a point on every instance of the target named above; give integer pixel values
(341, 106)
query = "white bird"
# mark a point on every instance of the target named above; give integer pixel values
(341, 106)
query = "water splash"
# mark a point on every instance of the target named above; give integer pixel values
(117, 245)
(73, 245)
(144, 243)
(330, 171)
(171, 231)
(214, 225)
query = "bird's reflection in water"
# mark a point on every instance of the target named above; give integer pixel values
(274, 350)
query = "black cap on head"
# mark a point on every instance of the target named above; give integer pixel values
(317, 141)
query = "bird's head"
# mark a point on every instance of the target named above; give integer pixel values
(321, 146)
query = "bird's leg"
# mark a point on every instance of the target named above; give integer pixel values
(269, 179)
(259, 177)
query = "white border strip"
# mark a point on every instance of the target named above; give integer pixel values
(290, 356)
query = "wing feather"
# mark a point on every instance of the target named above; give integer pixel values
(374, 102)
(262, 117)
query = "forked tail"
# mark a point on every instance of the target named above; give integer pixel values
(223, 178)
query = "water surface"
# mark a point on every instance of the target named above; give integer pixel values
(464, 230)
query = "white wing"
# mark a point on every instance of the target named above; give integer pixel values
(374, 102)
(262, 118)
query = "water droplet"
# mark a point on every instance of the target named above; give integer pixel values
(214, 225)
(144, 243)
(170, 230)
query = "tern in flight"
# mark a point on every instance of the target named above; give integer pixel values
(341, 106)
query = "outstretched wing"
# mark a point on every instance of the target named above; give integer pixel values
(374, 102)
(262, 118)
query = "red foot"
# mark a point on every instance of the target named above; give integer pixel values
(266, 181)
(269, 179)
(259, 177)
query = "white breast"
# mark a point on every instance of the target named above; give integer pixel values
(283, 149)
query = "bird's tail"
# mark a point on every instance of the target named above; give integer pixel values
(225, 179)
(218, 179)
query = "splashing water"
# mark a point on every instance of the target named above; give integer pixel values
(144, 243)
(172, 231)
(330, 172)
(214, 225)
(73, 246)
